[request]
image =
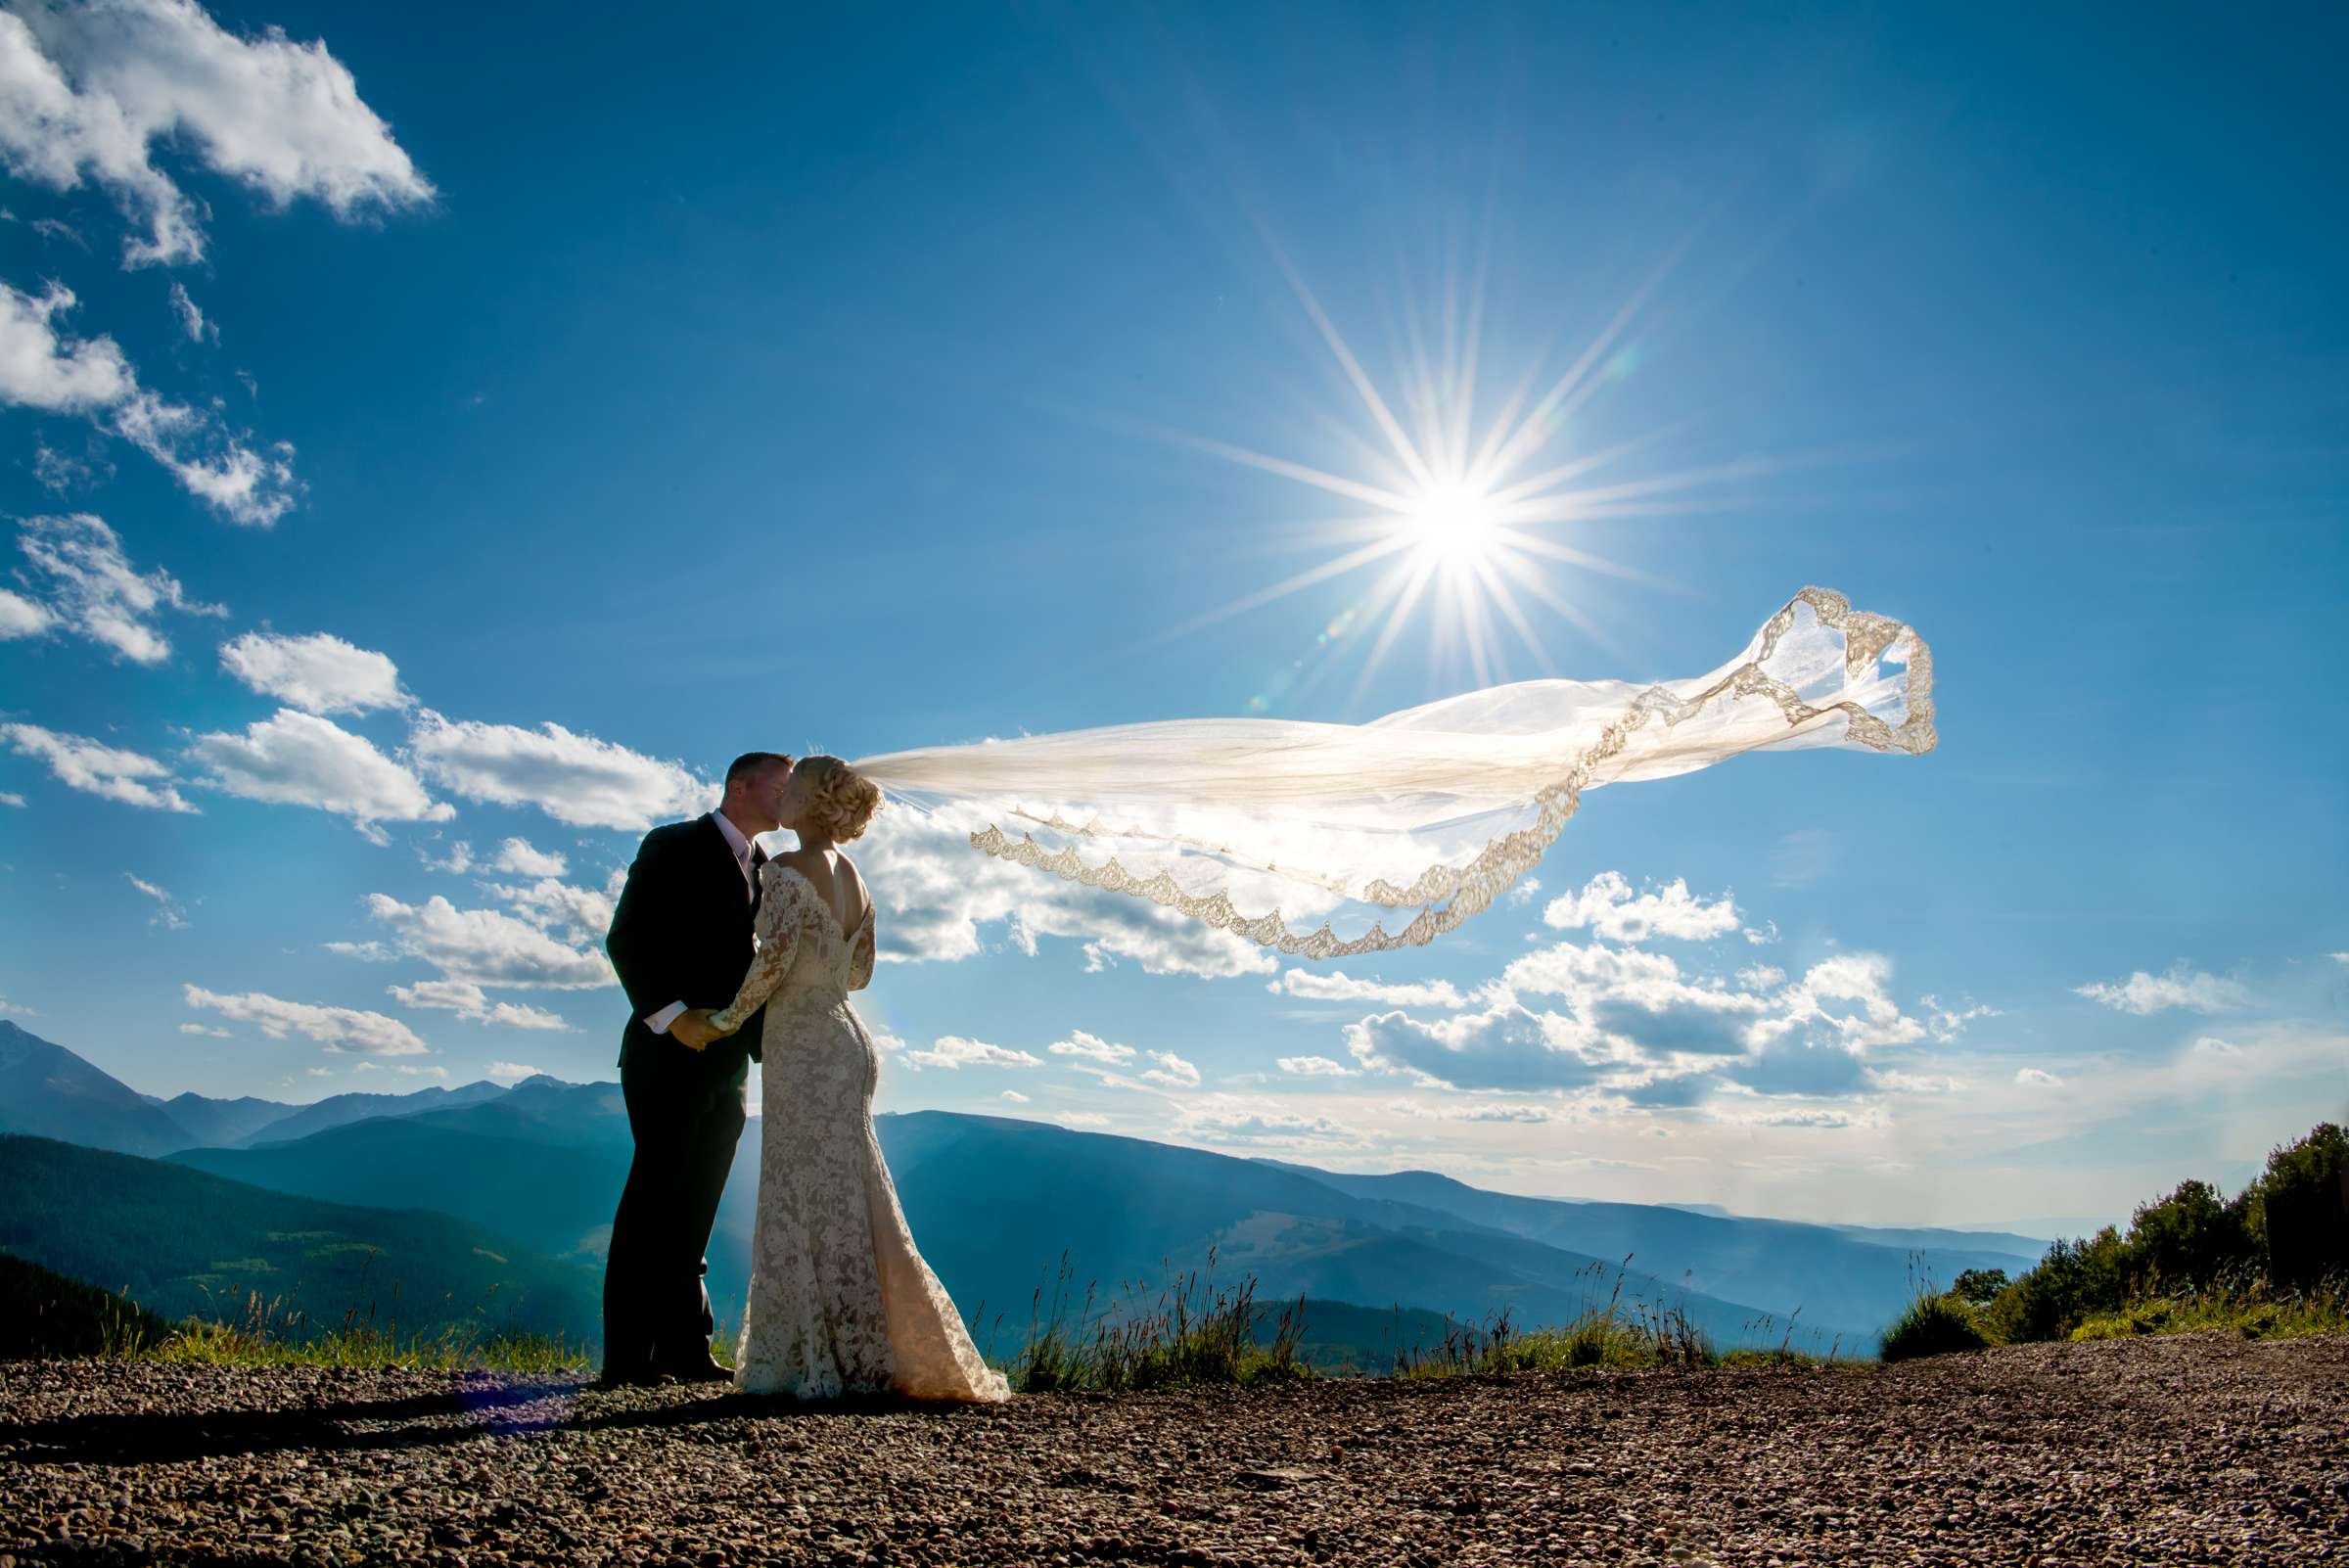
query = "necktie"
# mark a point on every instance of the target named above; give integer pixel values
(757, 860)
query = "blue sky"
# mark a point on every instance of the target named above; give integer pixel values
(821, 382)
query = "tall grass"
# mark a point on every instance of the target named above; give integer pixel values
(270, 1332)
(2245, 1304)
(1195, 1333)
(1606, 1334)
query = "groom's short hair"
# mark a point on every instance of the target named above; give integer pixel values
(752, 763)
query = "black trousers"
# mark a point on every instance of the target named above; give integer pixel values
(686, 1116)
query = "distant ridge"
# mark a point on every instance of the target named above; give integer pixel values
(47, 1090)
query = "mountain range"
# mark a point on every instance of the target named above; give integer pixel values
(1001, 1206)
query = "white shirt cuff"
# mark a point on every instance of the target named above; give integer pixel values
(659, 1021)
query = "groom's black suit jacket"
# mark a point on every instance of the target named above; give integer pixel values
(682, 933)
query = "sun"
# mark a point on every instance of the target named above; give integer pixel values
(1458, 502)
(1451, 526)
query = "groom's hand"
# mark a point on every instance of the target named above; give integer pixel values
(693, 1029)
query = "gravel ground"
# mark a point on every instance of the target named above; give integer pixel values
(2198, 1450)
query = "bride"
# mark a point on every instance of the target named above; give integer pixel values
(839, 1300)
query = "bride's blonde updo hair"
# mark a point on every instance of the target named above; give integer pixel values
(841, 802)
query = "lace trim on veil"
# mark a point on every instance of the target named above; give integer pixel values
(1472, 888)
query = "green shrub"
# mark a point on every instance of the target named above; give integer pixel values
(2297, 1214)
(1979, 1287)
(1932, 1325)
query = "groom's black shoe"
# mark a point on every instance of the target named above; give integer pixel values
(627, 1378)
(704, 1369)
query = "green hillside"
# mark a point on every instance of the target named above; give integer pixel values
(44, 1314)
(181, 1242)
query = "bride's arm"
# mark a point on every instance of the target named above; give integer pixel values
(860, 955)
(778, 937)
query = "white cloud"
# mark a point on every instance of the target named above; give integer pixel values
(1013, 1097)
(1630, 1022)
(954, 1051)
(19, 616)
(573, 778)
(341, 1029)
(168, 913)
(1948, 1023)
(511, 1072)
(242, 484)
(1081, 1043)
(468, 1001)
(1860, 977)
(486, 946)
(1608, 909)
(205, 1029)
(58, 229)
(1172, 1070)
(1337, 986)
(10, 798)
(1080, 1119)
(582, 914)
(458, 858)
(297, 758)
(1524, 889)
(410, 1070)
(1236, 1119)
(1314, 1067)
(55, 471)
(1476, 1110)
(2038, 1076)
(87, 91)
(93, 591)
(1506, 1047)
(320, 673)
(520, 857)
(191, 318)
(42, 367)
(2145, 995)
(2212, 1045)
(85, 764)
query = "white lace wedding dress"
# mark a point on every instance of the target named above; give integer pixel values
(839, 1300)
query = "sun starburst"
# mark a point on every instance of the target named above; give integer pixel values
(1464, 513)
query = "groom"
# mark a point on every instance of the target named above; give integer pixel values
(681, 939)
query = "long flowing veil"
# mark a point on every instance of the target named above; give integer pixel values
(1294, 834)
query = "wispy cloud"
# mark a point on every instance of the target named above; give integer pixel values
(342, 1029)
(955, 1051)
(168, 913)
(96, 769)
(2146, 994)
(471, 1003)
(44, 367)
(82, 582)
